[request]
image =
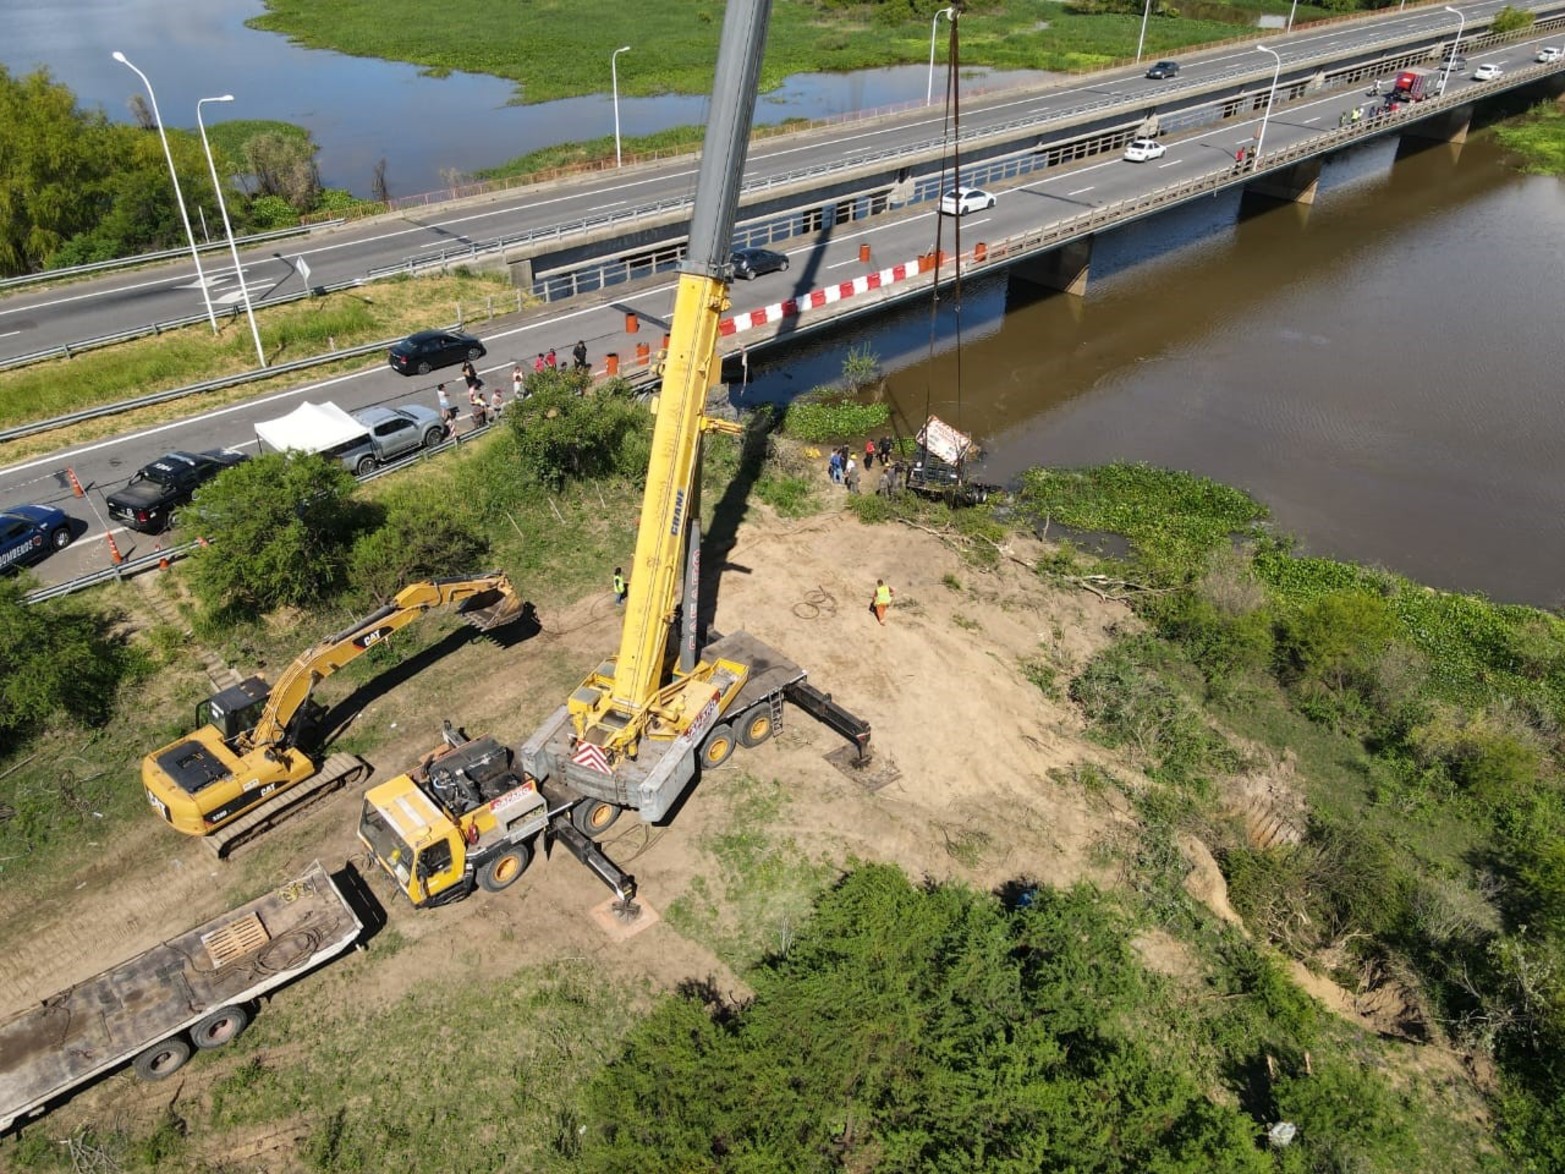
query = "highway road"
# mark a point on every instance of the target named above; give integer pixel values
(1059, 193)
(48, 318)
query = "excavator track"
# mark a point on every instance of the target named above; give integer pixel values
(338, 771)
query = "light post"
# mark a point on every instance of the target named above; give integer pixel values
(222, 205)
(1291, 11)
(1271, 97)
(1142, 40)
(614, 78)
(179, 197)
(929, 91)
(1450, 58)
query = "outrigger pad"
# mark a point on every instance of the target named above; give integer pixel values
(872, 772)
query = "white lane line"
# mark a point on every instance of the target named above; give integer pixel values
(601, 207)
(1079, 191)
(840, 264)
(1170, 163)
(1309, 121)
(9, 333)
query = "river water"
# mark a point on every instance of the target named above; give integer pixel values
(361, 109)
(1385, 369)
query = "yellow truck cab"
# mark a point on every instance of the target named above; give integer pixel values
(466, 817)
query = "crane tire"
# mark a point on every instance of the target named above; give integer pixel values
(506, 869)
(162, 1060)
(221, 1027)
(718, 747)
(594, 817)
(756, 726)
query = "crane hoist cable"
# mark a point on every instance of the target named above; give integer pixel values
(951, 161)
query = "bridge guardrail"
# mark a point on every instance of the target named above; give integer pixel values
(164, 255)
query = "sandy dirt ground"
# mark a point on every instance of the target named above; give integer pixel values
(964, 747)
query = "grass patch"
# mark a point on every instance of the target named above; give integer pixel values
(194, 354)
(1539, 139)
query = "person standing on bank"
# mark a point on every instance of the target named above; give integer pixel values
(882, 601)
(621, 587)
(579, 353)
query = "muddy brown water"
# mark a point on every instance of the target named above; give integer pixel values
(1385, 369)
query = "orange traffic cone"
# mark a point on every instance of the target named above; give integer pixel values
(114, 551)
(76, 486)
(157, 548)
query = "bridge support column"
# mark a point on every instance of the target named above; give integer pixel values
(1449, 127)
(1064, 268)
(1296, 184)
(522, 273)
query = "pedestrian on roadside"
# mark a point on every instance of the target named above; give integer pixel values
(447, 409)
(834, 466)
(881, 602)
(885, 450)
(850, 474)
(518, 380)
(869, 455)
(579, 353)
(538, 363)
(621, 587)
(551, 361)
(470, 373)
(496, 402)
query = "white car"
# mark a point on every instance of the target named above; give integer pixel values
(961, 201)
(1145, 150)
(1549, 54)
(1487, 72)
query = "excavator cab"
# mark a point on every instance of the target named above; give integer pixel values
(235, 710)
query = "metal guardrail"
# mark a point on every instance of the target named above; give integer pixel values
(113, 573)
(67, 350)
(164, 255)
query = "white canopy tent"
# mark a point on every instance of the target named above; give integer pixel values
(310, 428)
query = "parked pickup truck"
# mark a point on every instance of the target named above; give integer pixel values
(148, 501)
(192, 991)
(363, 440)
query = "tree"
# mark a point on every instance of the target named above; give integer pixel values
(421, 538)
(279, 526)
(380, 190)
(59, 659)
(284, 165)
(1509, 20)
(562, 433)
(51, 169)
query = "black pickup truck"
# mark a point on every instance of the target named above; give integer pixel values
(147, 502)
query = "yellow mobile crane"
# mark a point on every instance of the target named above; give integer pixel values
(632, 733)
(241, 769)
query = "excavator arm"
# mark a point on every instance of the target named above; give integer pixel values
(487, 601)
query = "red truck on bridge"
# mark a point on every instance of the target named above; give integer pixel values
(1414, 85)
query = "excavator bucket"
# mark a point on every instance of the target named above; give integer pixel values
(494, 608)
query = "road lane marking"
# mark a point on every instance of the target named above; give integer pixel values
(1079, 191)
(1170, 163)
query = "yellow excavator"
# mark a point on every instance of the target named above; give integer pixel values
(242, 769)
(631, 735)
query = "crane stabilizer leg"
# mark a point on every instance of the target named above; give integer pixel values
(588, 852)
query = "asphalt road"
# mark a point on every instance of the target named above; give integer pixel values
(65, 314)
(104, 465)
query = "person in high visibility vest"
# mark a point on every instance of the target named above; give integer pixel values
(882, 601)
(621, 587)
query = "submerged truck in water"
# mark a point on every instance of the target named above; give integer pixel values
(193, 992)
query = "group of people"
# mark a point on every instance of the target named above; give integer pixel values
(484, 407)
(843, 467)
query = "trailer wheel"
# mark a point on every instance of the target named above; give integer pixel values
(505, 869)
(221, 1027)
(162, 1060)
(594, 817)
(718, 747)
(756, 726)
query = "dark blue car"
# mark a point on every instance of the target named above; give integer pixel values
(29, 532)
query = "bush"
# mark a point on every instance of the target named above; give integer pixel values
(561, 434)
(421, 538)
(1509, 20)
(57, 659)
(827, 414)
(1222, 646)
(280, 527)
(1336, 640)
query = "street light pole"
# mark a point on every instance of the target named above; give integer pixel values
(1291, 11)
(1142, 40)
(179, 197)
(929, 91)
(614, 78)
(222, 206)
(1271, 97)
(1450, 58)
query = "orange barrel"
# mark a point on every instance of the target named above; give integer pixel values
(980, 251)
(643, 354)
(864, 252)
(632, 324)
(613, 364)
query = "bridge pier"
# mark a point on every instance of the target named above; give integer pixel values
(1297, 184)
(1449, 127)
(1064, 269)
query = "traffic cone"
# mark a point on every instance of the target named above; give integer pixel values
(76, 486)
(864, 253)
(157, 548)
(114, 551)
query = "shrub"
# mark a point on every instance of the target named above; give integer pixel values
(1336, 639)
(420, 539)
(562, 434)
(280, 527)
(1222, 646)
(1509, 20)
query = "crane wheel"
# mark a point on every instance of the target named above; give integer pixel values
(505, 869)
(756, 726)
(594, 817)
(221, 1027)
(718, 747)
(161, 1061)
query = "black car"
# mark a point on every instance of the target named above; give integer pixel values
(421, 353)
(752, 263)
(147, 503)
(29, 533)
(1163, 69)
